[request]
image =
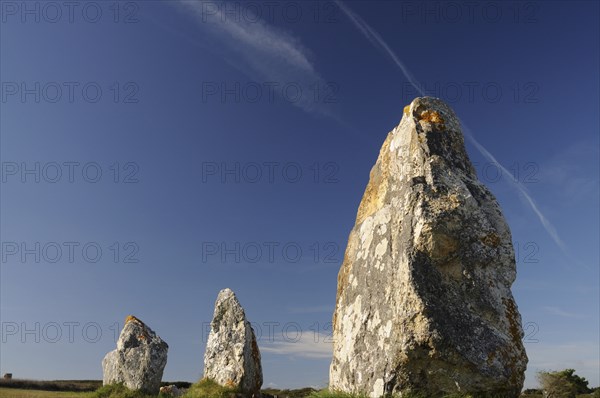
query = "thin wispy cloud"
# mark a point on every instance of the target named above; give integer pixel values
(574, 172)
(309, 345)
(263, 52)
(583, 356)
(562, 313)
(312, 310)
(536, 285)
(519, 187)
(379, 43)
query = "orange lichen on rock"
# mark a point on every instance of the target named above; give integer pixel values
(131, 318)
(431, 117)
(512, 315)
(375, 194)
(406, 109)
(491, 239)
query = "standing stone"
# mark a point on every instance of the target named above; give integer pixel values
(232, 358)
(423, 300)
(139, 360)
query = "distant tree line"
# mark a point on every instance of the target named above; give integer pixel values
(563, 384)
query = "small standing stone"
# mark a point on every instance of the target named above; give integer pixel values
(139, 360)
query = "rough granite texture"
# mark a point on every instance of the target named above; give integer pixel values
(423, 300)
(232, 358)
(139, 360)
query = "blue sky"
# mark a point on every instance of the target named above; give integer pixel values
(156, 152)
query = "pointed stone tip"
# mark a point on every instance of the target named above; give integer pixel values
(227, 296)
(226, 301)
(432, 111)
(226, 292)
(432, 103)
(132, 318)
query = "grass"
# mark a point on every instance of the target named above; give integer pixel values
(203, 389)
(333, 394)
(207, 388)
(120, 391)
(52, 385)
(329, 394)
(298, 393)
(21, 393)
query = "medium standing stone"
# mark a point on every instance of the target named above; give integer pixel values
(232, 358)
(423, 300)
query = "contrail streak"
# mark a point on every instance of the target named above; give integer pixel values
(520, 187)
(375, 39)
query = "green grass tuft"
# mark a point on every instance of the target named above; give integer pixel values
(207, 388)
(297, 393)
(333, 394)
(407, 394)
(120, 391)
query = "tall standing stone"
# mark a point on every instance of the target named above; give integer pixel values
(423, 300)
(139, 360)
(232, 358)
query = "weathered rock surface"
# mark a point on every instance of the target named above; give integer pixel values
(232, 358)
(172, 391)
(424, 300)
(139, 360)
